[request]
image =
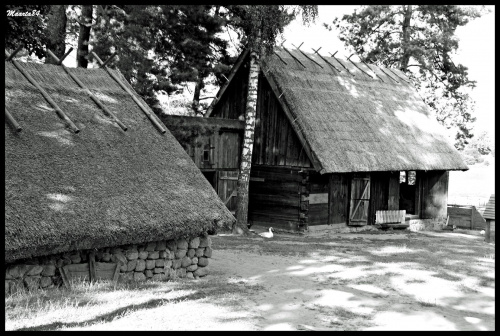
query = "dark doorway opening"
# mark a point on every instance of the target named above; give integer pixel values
(210, 176)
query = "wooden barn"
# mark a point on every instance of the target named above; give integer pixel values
(337, 142)
(93, 178)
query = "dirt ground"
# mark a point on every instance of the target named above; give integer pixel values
(324, 281)
(364, 281)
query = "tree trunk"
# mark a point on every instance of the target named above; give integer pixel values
(56, 32)
(241, 225)
(196, 97)
(84, 37)
(405, 59)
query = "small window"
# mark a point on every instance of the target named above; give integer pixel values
(412, 176)
(402, 177)
(206, 155)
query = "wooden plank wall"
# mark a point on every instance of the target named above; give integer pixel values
(319, 188)
(339, 198)
(276, 200)
(379, 192)
(232, 103)
(434, 193)
(275, 141)
(393, 191)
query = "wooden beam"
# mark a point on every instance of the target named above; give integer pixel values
(65, 55)
(349, 59)
(303, 141)
(156, 123)
(109, 59)
(295, 58)
(11, 56)
(343, 65)
(282, 60)
(372, 71)
(91, 95)
(235, 68)
(12, 121)
(324, 59)
(309, 58)
(381, 69)
(395, 73)
(58, 110)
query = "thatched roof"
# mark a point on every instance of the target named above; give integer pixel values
(489, 212)
(100, 187)
(352, 122)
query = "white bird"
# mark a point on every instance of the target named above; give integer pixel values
(482, 232)
(267, 234)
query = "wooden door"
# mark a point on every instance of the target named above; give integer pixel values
(360, 200)
(227, 187)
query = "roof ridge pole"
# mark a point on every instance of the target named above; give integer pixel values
(305, 55)
(295, 58)
(333, 55)
(326, 61)
(12, 121)
(92, 96)
(146, 112)
(44, 93)
(349, 59)
(371, 69)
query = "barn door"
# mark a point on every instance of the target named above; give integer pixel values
(360, 200)
(226, 188)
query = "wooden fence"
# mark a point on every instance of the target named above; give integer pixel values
(465, 217)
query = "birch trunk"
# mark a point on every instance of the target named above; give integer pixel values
(241, 225)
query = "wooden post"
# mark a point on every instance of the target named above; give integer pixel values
(58, 110)
(59, 62)
(92, 266)
(295, 58)
(92, 96)
(12, 121)
(124, 87)
(11, 56)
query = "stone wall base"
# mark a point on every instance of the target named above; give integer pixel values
(159, 260)
(432, 224)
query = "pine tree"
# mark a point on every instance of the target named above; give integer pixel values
(418, 37)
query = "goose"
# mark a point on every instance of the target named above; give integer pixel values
(267, 234)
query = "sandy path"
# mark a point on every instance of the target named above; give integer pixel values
(302, 294)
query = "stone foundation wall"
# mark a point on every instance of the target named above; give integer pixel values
(159, 260)
(426, 224)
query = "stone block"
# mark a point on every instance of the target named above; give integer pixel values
(192, 268)
(194, 243)
(181, 272)
(123, 268)
(161, 245)
(116, 250)
(141, 265)
(160, 263)
(32, 282)
(158, 270)
(189, 275)
(75, 258)
(208, 252)
(143, 255)
(131, 265)
(186, 261)
(49, 270)
(149, 273)
(201, 272)
(151, 246)
(194, 261)
(202, 261)
(154, 255)
(205, 242)
(172, 245)
(168, 264)
(132, 255)
(182, 244)
(127, 276)
(160, 277)
(106, 257)
(139, 276)
(141, 248)
(150, 264)
(12, 272)
(200, 251)
(176, 263)
(180, 253)
(191, 253)
(46, 281)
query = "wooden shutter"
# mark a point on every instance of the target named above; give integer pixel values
(360, 200)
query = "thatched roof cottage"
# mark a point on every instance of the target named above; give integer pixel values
(102, 187)
(337, 141)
